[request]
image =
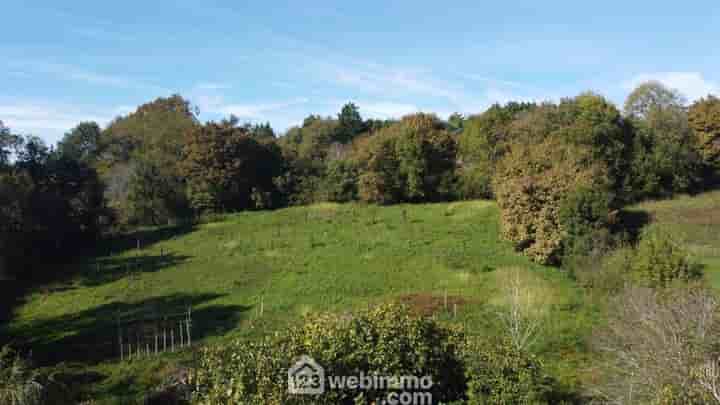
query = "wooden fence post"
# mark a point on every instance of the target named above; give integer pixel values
(189, 320)
(117, 321)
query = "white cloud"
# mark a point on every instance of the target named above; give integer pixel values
(258, 111)
(386, 109)
(49, 121)
(123, 109)
(374, 78)
(692, 85)
(493, 81)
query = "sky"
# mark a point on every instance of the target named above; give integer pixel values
(63, 62)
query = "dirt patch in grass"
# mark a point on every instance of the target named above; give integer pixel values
(427, 304)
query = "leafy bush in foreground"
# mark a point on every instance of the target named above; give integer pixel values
(500, 374)
(385, 341)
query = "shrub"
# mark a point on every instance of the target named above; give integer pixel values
(607, 271)
(384, 341)
(501, 374)
(660, 259)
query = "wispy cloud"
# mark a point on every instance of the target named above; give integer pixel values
(692, 85)
(382, 109)
(259, 111)
(374, 78)
(72, 73)
(47, 120)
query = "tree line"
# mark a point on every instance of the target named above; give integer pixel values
(558, 170)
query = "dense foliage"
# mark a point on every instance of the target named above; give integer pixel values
(227, 169)
(383, 341)
(559, 170)
(50, 204)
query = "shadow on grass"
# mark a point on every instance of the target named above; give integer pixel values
(147, 237)
(64, 269)
(90, 336)
(106, 270)
(631, 222)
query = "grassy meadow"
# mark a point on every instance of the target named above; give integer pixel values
(247, 275)
(250, 274)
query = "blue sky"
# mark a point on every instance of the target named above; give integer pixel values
(278, 61)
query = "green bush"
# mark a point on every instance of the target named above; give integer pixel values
(500, 374)
(385, 341)
(660, 259)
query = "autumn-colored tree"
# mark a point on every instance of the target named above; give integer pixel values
(704, 117)
(532, 184)
(224, 165)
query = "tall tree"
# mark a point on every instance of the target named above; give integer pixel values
(262, 132)
(665, 159)
(225, 166)
(152, 136)
(651, 95)
(82, 142)
(704, 117)
(350, 123)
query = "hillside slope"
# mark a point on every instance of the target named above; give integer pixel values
(252, 273)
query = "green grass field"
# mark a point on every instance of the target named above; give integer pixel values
(291, 262)
(251, 274)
